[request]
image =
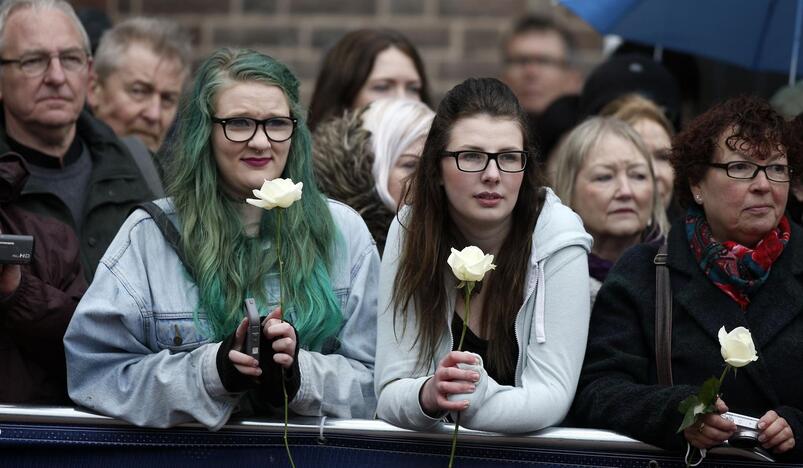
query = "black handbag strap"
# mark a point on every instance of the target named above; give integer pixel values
(663, 318)
(168, 230)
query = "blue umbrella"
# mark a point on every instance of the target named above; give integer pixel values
(756, 34)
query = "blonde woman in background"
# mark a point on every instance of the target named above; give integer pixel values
(605, 173)
(655, 130)
(365, 158)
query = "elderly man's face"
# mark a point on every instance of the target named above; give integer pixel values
(47, 104)
(141, 96)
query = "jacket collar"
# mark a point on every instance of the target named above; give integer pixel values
(778, 302)
(109, 156)
(13, 175)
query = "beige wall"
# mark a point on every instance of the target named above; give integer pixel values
(457, 38)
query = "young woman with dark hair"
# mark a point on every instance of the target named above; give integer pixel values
(363, 66)
(477, 185)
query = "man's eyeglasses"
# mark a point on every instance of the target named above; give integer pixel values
(33, 65)
(242, 129)
(749, 170)
(477, 161)
(538, 60)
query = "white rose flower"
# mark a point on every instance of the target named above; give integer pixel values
(276, 192)
(470, 264)
(737, 349)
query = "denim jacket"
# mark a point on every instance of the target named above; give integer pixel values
(135, 353)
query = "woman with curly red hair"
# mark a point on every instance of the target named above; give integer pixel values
(734, 260)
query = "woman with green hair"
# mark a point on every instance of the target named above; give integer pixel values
(157, 338)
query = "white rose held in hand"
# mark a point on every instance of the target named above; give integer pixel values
(470, 264)
(276, 192)
(737, 347)
(279, 193)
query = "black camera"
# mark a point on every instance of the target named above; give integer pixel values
(15, 249)
(254, 329)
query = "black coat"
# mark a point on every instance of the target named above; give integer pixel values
(34, 317)
(618, 387)
(116, 185)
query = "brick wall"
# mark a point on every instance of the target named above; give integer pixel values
(457, 38)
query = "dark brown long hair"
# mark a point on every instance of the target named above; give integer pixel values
(347, 65)
(430, 232)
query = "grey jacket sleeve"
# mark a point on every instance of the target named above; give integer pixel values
(398, 379)
(112, 370)
(552, 368)
(340, 384)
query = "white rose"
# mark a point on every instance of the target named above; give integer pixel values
(737, 349)
(276, 192)
(470, 264)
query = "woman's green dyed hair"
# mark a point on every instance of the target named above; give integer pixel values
(227, 265)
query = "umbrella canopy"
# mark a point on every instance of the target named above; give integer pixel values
(756, 34)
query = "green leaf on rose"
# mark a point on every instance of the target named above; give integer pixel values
(688, 408)
(690, 402)
(709, 391)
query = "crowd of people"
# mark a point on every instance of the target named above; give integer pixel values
(131, 171)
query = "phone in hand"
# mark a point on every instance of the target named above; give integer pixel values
(254, 328)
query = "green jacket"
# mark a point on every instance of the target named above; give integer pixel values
(115, 187)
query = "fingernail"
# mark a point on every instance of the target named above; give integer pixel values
(476, 377)
(465, 404)
(761, 425)
(761, 438)
(259, 371)
(471, 389)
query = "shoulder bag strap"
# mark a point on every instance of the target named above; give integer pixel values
(663, 318)
(168, 230)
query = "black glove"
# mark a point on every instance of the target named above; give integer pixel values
(233, 380)
(270, 382)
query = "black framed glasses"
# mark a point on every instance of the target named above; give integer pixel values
(748, 170)
(242, 129)
(477, 161)
(36, 64)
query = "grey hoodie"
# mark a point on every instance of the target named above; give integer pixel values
(551, 330)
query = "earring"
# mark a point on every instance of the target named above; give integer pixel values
(698, 199)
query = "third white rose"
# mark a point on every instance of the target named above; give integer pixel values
(737, 347)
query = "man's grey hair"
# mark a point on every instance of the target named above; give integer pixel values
(163, 37)
(10, 6)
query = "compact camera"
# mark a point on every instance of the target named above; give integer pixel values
(254, 329)
(746, 435)
(15, 249)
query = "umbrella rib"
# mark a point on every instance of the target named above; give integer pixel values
(764, 26)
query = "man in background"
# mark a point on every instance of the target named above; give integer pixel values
(140, 69)
(80, 173)
(538, 55)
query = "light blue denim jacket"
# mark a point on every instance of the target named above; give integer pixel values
(134, 352)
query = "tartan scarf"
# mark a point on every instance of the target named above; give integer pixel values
(735, 269)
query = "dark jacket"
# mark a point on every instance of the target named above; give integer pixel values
(618, 387)
(343, 163)
(115, 186)
(34, 317)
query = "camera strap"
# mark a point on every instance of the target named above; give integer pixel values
(663, 318)
(168, 230)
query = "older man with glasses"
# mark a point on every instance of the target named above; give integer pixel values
(80, 172)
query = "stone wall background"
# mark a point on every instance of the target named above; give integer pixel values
(456, 38)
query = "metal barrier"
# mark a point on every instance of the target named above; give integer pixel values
(55, 436)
